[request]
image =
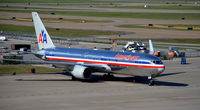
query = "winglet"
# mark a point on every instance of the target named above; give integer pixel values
(151, 49)
(43, 38)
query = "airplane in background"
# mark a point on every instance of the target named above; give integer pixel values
(139, 47)
(85, 62)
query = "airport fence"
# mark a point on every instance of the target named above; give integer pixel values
(72, 40)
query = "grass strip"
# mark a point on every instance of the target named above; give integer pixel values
(28, 7)
(160, 7)
(50, 1)
(25, 68)
(188, 41)
(56, 31)
(91, 1)
(61, 20)
(168, 27)
(145, 15)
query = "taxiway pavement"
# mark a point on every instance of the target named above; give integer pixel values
(176, 89)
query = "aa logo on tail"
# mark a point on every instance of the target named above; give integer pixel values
(42, 37)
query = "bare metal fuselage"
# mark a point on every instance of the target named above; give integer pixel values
(127, 63)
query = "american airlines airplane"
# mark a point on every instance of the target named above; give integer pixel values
(85, 62)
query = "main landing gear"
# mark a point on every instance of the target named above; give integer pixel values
(108, 77)
(151, 80)
(74, 78)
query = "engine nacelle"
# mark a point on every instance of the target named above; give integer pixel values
(81, 72)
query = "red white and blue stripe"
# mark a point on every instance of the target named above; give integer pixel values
(120, 63)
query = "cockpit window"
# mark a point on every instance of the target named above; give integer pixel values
(157, 62)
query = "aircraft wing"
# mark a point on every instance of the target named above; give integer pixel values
(39, 61)
(97, 67)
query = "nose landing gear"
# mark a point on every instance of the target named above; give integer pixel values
(151, 80)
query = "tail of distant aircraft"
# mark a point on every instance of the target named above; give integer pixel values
(43, 38)
(151, 49)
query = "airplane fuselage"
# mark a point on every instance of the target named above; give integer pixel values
(115, 61)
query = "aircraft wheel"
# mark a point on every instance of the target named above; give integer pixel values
(108, 77)
(151, 83)
(74, 78)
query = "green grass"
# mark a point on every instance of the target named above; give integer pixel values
(89, 1)
(64, 1)
(14, 28)
(60, 20)
(22, 7)
(150, 27)
(22, 68)
(198, 26)
(108, 6)
(167, 16)
(46, 1)
(189, 41)
(77, 20)
(54, 32)
(136, 26)
(161, 7)
(165, 40)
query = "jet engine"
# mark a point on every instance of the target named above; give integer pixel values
(81, 72)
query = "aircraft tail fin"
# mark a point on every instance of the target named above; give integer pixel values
(43, 38)
(151, 49)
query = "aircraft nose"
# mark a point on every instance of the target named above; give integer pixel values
(160, 70)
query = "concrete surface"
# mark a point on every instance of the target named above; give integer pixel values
(176, 89)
